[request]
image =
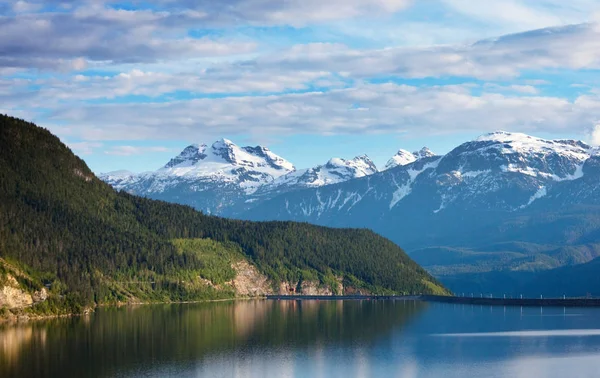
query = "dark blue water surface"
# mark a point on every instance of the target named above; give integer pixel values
(308, 339)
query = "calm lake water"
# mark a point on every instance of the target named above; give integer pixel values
(308, 339)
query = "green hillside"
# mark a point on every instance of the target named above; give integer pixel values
(62, 228)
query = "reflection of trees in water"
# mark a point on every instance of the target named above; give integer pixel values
(133, 338)
(307, 322)
(13, 340)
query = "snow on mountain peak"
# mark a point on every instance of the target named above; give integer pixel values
(401, 158)
(336, 170)
(404, 157)
(224, 155)
(519, 153)
(503, 136)
(271, 158)
(423, 153)
(223, 162)
(189, 156)
(522, 143)
(358, 167)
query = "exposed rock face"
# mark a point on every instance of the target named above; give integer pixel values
(307, 288)
(79, 173)
(313, 288)
(249, 282)
(11, 295)
(287, 288)
(40, 296)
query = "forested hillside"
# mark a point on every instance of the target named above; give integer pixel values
(63, 228)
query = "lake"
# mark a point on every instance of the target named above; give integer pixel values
(308, 339)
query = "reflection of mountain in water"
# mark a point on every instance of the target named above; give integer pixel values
(138, 340)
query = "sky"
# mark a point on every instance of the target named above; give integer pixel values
(129, 84)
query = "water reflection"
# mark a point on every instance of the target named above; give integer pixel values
(132, 340)
(307, 339)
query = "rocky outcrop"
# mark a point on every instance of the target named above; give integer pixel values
(286, 288)
(313, 288)
(12, 296)
(40, 295)
(308, 288)
(249, 282)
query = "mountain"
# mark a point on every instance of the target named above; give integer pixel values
(404, 157)
(69, 241)
(502, 202)
(499, 174)
(335, 171)
(208, 178)
(225, 179)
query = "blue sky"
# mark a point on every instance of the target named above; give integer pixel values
(129, 84)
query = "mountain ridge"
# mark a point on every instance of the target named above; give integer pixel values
(520, 153)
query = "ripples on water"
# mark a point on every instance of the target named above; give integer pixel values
(307, 339)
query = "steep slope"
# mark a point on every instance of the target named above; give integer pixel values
(71, 232)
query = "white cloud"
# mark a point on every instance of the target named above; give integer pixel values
(520, 15)
(21, 6)
(85, 147)
(95, 33)
(595, 136)
(135, 150)
(385, 108)
(504, 11)
(517, 88)
(525, 89)
(289, 12)
(227, 79)
(162, 60)
(571, 47)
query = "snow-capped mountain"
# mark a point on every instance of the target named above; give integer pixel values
(404, 157)
(335, 171)
(211, 179)
(507, 171)
(497, 188)
(498, 171)
(225, 178)
(224, 161)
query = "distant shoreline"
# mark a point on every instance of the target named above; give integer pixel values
(517, 302)
(513, 302)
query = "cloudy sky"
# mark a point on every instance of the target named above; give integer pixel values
(129, 84)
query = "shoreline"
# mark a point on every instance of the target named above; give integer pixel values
(25, 317)
(516, 302)
(513, 302)
(510, 302)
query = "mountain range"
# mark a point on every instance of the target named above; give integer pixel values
(226, 179)
(503, 204)
(69, 241)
